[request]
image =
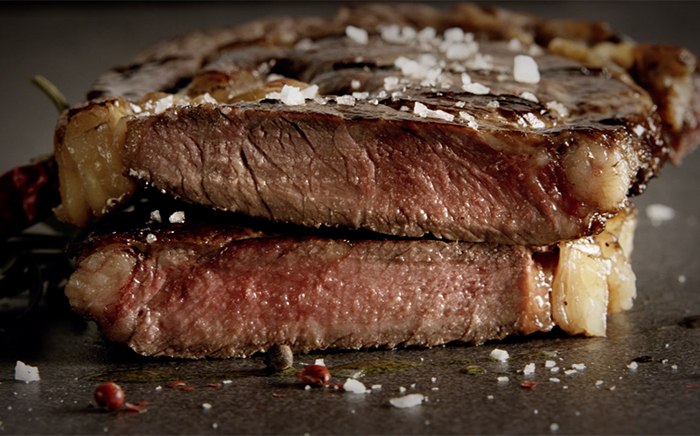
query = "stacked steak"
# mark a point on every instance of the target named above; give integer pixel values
(395, 175)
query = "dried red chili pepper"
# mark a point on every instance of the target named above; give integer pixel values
(316, 375)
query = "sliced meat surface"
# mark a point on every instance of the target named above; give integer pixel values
(195, 291)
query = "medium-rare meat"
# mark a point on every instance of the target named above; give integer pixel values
(193, 290)
(404, 132)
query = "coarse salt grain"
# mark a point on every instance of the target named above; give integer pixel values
(493, 104)
(26, 373)
(570, 371)
(357, 34)
(376, 387)
(578, 366)
(346, 100)
(499, 355)
(402, 389)
(515, 45)
(633, 366)
(529, 369)
(454, 34)
(406, 401)
(476, 88)
(550, 364)
(529, 96)
(151, 238)
(461, 51)
(354, 386)
(289, 95)
(163, 104)
(558, 108)
(599, 382)
(155, 216)
(554, 369)
(320, 362)
(554, 426)
(471, 121)
(681, 278)
(554, 380)
(355, 84)
(177, 217)
(206, 406)
(422, 110)
(531, 120)
(639, 130)
(659, 213)
(502, 379)
(525, 69)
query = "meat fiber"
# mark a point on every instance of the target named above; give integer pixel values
(409, 134)
(194, 290)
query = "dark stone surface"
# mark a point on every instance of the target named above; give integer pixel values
(74, 44)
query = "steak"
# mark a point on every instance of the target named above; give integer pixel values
(406, 133)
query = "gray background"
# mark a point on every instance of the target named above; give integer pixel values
(73, 44)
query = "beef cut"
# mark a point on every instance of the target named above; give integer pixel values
(196, 289)
(430, 131)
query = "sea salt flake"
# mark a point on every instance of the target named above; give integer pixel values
(502, 379)
(361, 95)
(406, 401)
(531, 120)
(155, 216)
(578, 366)
(422, 110)
(554, 380)
(26, 373)
(639, 130)
(659, 214)
(289, 95)
(493, 104)
(529, 96)
(471, 121)
(346, 100)
(354, 386)
(499, 355)
(525, 69)
(570, 371)
(163, 104)
(515, 45)
(177, 217)
(476, 88)
(633, 366)
(529, 369)
(558, 108)
(391, 83)
(550, 364)
(357, 34)
(208, 98)
(310, 92)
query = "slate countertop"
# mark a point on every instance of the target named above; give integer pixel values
(73, 44)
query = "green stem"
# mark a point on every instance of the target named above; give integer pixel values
(48, 88)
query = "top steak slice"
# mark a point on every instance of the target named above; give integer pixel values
(440, 138)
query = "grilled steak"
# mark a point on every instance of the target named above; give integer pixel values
(193, 290)
(411, 132)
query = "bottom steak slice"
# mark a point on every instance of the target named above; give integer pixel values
(193, 290)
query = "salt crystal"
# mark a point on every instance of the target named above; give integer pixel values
(422, 110)
(208, 98)
(402, 389)
(26, 373)
(135, 108)
(570, 371)
(206, 406)
(155, 216)
(476, 88)
(427, 34)
(529, 96)
(550, 364)
(392, 33)
(433, 379)
(494, 104)
(357, 34)
(681, 278)
(151, 238)
(659, 213)
(454, 34)
(461, 104)
(310, 92)
(489, 397)
(531, 120)
(163, 104)
(390, 83)
(376, 387)
(435, 389)
(515, 45)
(461, 51)
(346, 100)
(304, 44)
(499, 355)
(502, 379)
(290, 95)
(578, 366)
(320, 362)
(177, 217)
(633, 366)
(554, 380)
(406, 401)
(355, 84)
(554, 426)
(673, 367)
(361, 95)
(639, 130)
(354, 386)
(525, 69)
(599, 382)
(471, 120)
(227, 382)
(535, 50)
(557, 107)
(529, 369)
